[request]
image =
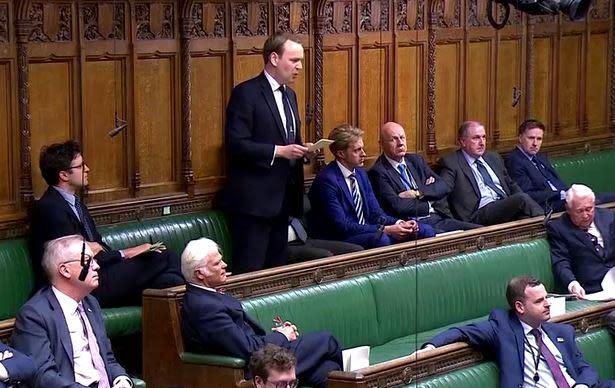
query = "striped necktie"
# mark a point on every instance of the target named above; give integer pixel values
(356, 198)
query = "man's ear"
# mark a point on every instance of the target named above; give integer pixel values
(64, 272)
(258, 382)
(519, 307)
(63, 176)
(274, 58)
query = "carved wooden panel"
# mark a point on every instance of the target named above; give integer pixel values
(477, 13)
(447, 93)
(4, 22)
(337, 93)
(51, 22)
(479, 77)
(600, 9)
(250, 19)
(338, 17)
(597, 81)
(7, 151)
(51, 110)
(155, 20)
(408, 92)
(247, 66)
(103, 21)
(508, 84)
(373, 96)
(209, 20)
(448, 13)
(374, 15)
(543, 78)
(410, 15)
(293, 17)
(569, 84)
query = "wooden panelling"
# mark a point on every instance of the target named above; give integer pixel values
(208, 104)
(509, 83)
(478, 85)
(247, 66)
(408, 92)
(50, 109)
(597, 92)
(338, 90)
(543, 78)
(7, 153)
(568, 84)
(372, 96)
(447, 93)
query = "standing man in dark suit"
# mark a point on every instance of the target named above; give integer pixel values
(343, 203)
(61, 326)
(481, 190)
(535, 174)
(124, 273)
(15, 367)
(529, 351)
(582, 242)
(265, 170)
(407, 188)
(215, 322)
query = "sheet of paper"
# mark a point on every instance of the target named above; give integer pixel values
(322, 143)
(602, 296)
(608, 288)
(558, 306)
(355, 358)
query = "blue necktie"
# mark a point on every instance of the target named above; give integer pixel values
(406, 178)
(84, 220)
(356, 198)
(290, 124)
(544, 172)
(487, 179)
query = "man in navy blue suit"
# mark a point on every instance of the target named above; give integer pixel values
(61, 327)
(15, 367)
(528, 350)
(582, 242)
(407, 188)
(534, 173)
(264, 154)
(215, 322)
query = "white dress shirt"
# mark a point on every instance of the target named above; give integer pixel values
(593, 230)
(277, 95)
(487, 194)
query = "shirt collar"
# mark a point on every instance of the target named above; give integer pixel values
(395, 163)
(471, 159)
(346, 172)
(272, 82)
(69, 197)
(527, 328)
(68, 304)
(525, 153)
(203, 287)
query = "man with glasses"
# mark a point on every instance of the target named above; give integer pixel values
(61, 326)
(124, 273)
(273, 367)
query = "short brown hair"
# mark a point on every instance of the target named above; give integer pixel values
(55, 158)
(515, 291)
(530, 124)
(342, 136)
(270, 357)
(275, 44)
(463, 128)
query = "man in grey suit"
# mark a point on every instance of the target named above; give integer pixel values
(481, 190)
(61, 326)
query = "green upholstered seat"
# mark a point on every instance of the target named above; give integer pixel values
(16, 276)
(590, 169)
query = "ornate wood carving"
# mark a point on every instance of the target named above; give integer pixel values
(250, 19)
(612, 124)
(187, 27)
(374, 15)
(529, 67)
(208, 20)
(103, 21)
(155, 20)
(541, 19)
(431, 82)
(318, 77)
(51, 22)
(448, 13)
(515, 17)
(338, 17)
(293, 17)
(600, 10)
(4, 22)
(477, 13)
(410, 15)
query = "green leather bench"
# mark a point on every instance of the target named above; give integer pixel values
(589, 169)
(598, 347)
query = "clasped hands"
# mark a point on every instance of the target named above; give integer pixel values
(285, 327)
(402, 229)
(6, 355)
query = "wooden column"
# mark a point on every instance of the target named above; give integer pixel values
(318, 78)
(187, 24)
(529, 67)
(431, 78)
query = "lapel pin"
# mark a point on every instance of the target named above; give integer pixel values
(560, 339)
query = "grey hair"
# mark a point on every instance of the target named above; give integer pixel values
(57, 251)
(579, 191)
(195, 253)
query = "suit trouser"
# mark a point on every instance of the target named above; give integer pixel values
(514, 207)
(446, 224)
(316, 249)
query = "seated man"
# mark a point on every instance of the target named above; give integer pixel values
(343, 203)
(482, 192)
(581, 242)
(529, 350)
(61, 327)
(407, 188)
(216, 322)
(301, 247)
(125, 273)
(273, 366)
(15, 367)
(535, 174)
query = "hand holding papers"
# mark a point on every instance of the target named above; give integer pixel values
(320, 144)
(608, 288)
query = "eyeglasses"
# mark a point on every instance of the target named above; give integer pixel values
(283, 384)
(87, 258)
(77, 166)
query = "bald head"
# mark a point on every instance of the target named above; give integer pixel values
(393, 140)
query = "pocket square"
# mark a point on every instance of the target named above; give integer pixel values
(560, 339)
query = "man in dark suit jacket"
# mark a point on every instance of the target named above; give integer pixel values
(61, 326)
(582, 242)
(15, 367)
(535, 174)
(265, 171)
(125, 273)
(527, 348)
(215, 322)
(481, 190)
(343, 203)
(407, 188)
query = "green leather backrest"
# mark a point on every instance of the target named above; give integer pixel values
(457, 288)
(16, 276)
(598, 347)
(175, 231)
(589, 169)
(345, 308)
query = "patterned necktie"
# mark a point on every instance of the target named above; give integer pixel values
(407, 178)
(97, 360)
(597, 247)
(487, 179)
(84, 220)
(552, 363)
(290, 124)
(356, 198)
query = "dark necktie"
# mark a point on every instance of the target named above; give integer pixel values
(552, 363)
(97, 360)
(356, 198)
(487, 179)
(290, 124)
(406, 177)
(597, 247)
(542, 170)
(299, 229)
(85, 221)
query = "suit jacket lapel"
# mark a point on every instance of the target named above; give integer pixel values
(341, 182)
(519, 338)
(60, 200)
(270, 99)
(551, 332)
(603, 227)
(295, 109)
(492, 164)
(581, 235)
(468, 172)
(58, 317)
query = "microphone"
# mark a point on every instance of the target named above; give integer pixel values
(548, 213)
(85, 266)
(120, 124)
